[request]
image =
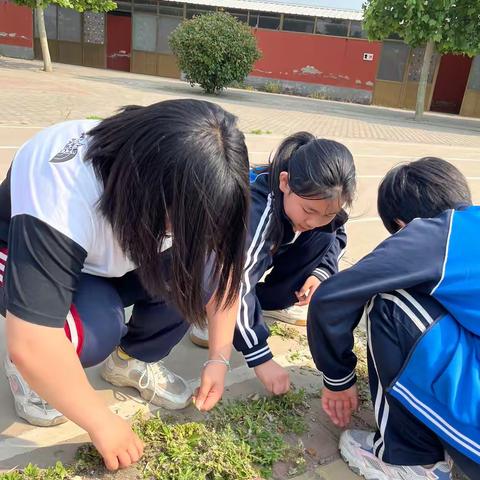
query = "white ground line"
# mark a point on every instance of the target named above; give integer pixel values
(382, 176)
(23, 126)
(384, 156)
(364, 220)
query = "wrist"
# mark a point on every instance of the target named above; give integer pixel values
(219, 360)
(97, 419)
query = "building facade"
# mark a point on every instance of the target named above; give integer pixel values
(313, 51)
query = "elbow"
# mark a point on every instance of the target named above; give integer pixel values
(20, 351)
(19, 354)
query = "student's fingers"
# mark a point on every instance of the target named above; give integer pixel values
(340, 413)
(325, 406)
(333, 412)
(302, 302)
(200, 397)
(347, 408)
(354, 402)
(280, 387)
(211, 400)
(309, 296)
(134, 453)
(124, 459)
(139, 445)
(111, 462)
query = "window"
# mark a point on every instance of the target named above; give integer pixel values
(172, 9)
(474, 79)
(299, 24)
(194, 11)
(265, 20)
(393, 61)
(332, 26)
(238, 14)
(166, 25)
(94, 28)
(144, 32)
(356, 30)
(69, 25)
(416, 63)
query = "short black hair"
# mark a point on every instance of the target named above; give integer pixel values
(179, 167)
(420, 189)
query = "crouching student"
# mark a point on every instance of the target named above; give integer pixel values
(421, 292)
(296, 230)
(138, 209)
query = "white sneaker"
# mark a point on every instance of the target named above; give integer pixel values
(356, 448)
(28, 404)
(293, 315)
(154, 381)
(199, 336)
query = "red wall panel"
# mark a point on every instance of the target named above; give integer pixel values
(316, 59)
(16, 25)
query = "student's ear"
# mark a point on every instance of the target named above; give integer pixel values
(400, 223)
(283, 182)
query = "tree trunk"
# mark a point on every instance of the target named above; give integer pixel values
(42, 34)
(422, 84)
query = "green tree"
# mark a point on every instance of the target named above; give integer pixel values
(214, 50)
(79, 5)
(449, 26)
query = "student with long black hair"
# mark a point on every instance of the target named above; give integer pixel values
(420, 292)
(296, 230)
(145, 208)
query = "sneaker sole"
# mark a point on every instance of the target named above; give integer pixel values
(200, 342)
(158, 401)
(38, 422)
(284, 319)
(350, 458)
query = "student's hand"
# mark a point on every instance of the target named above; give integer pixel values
(305, 294)
(211, 387)
(274, 377)
(116, 442)
(340, 405)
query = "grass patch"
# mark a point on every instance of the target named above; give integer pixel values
(239, 440)
(360, 350)
(273, 87)
(259, 131)
(262, 423)
(93, 117)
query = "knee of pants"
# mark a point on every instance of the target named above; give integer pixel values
(99, 319)
(101, 339)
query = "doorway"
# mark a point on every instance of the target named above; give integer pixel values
(119, 40)
(451, 82)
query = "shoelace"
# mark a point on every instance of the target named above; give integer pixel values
(36, 400)
(151, 371)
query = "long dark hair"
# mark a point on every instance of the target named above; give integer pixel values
(317, 169)
(179, 167)
(423, 188)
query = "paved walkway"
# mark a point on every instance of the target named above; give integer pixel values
(378, 138)
(33, 97)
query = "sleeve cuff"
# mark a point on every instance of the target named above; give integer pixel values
(258, 354)
(337, 385)
(321, 274)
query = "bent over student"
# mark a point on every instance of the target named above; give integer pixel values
(296, 234)
(145, 208)
(421, 292)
